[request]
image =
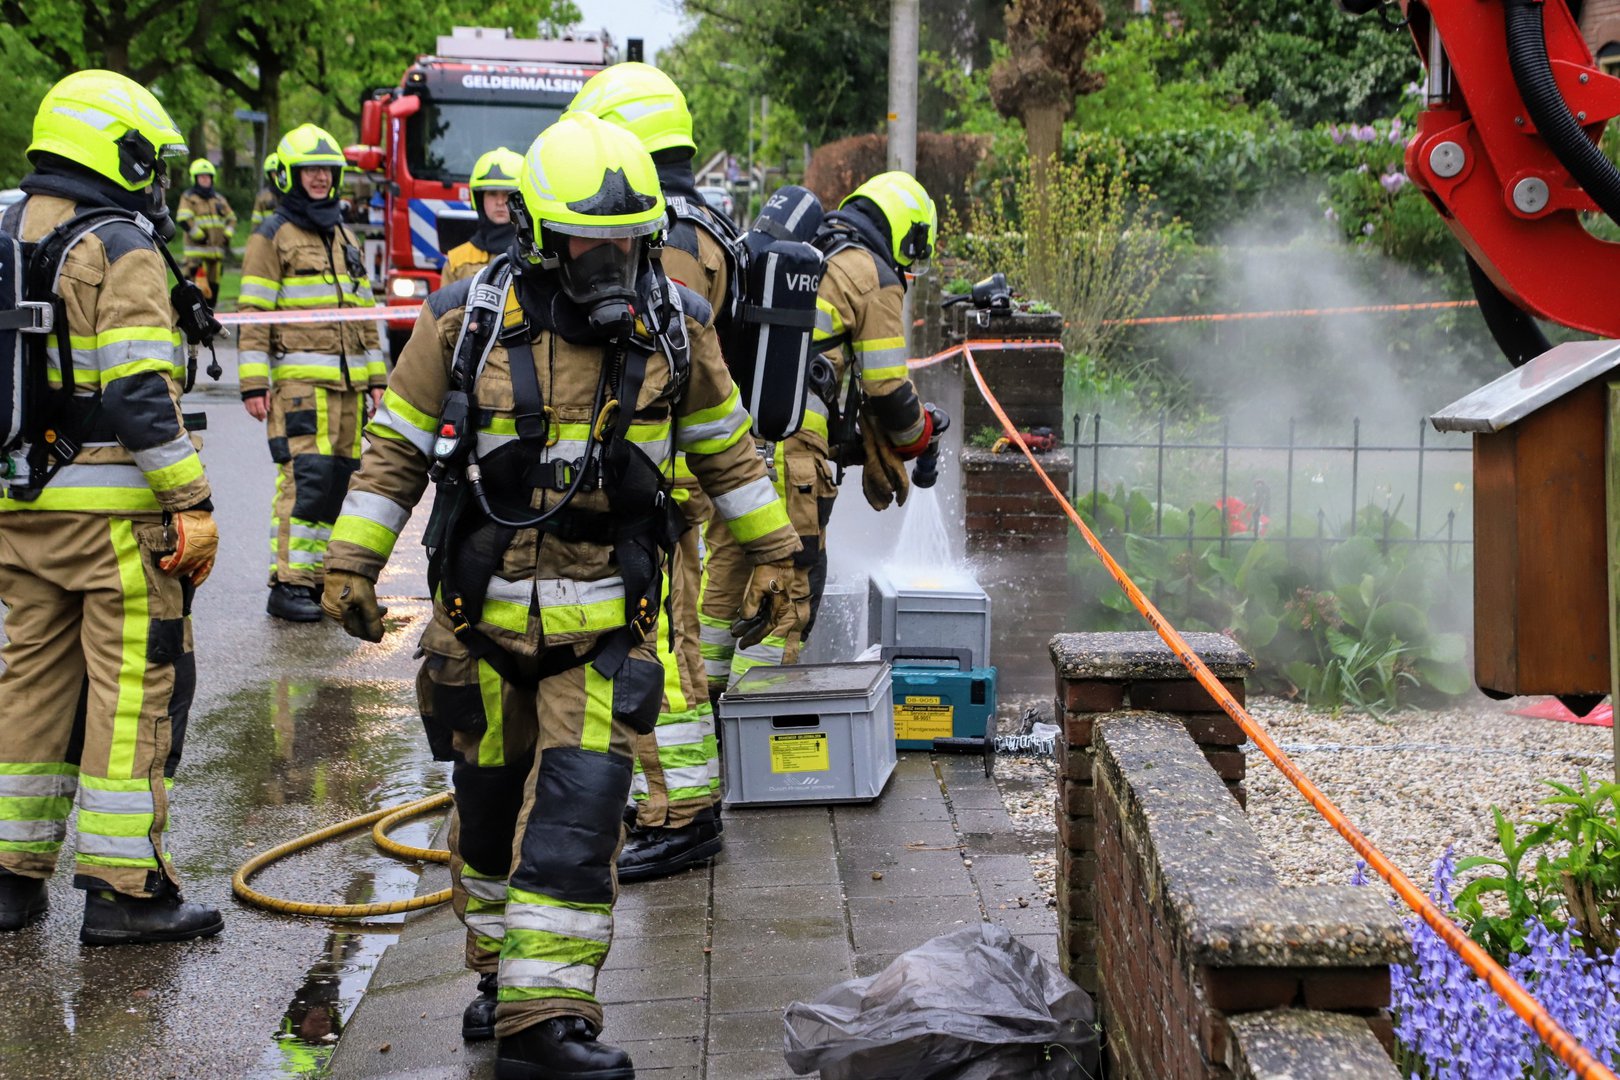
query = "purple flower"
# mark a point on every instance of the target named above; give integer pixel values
(1331, 214)
(1367, 229)
(1393, 182)
(1336, 135)
(1365, 133)
(1362, 168)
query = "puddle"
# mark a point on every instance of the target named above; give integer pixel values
(313, 1021)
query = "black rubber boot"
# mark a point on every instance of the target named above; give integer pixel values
(293, 603)
(112, 918)
(562, 1048)
(22, 900)
(478, 1018)
(654, 853)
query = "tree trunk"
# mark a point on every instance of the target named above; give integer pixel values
(1043, 130)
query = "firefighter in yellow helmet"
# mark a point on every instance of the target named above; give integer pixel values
(205, 219)
(494, 179)
(307, 381)
(99, 563)
(884, 228)
(551, 529)
(264, 204)
(677, 783)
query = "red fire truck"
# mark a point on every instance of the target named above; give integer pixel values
(480, 89)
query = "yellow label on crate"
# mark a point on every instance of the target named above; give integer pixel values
(806, 752)
(923, 718)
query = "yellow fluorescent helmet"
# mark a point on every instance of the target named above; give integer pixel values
(497, 170)
(108, 123)
(586, 177)
(307, 146)
(271, 164)
(202, 167)
(642, 100)
(912, 217)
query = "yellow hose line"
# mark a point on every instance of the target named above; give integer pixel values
(383, 820)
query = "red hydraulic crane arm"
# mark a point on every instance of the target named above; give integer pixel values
(1514, 106)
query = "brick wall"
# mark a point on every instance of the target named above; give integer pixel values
(1600, 22)
(1169, 912)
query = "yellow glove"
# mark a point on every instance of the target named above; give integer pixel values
(195, 543)
(883, 474)
(350, 600)
(767, 609)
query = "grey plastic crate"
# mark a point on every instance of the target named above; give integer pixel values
(920, 611)
(814, 733)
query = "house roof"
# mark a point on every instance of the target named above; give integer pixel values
(1522, 391)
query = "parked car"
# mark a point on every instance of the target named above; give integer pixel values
(719, 199)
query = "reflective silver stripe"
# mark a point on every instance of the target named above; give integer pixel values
(638, 784)
(251, 290)
(543, 918)
(252, 356)
(813, 403)
(687, 733)
(378, 508)
(688, 435)
(118, 353)
(300, 532)
(103, 476)
(717, 669)
(490, 890)
(37, 786)
(486, 924)
(116, 847)
(99, 801)
(883, 358)
(566, 592)
(173, 452)
(513, 592)
(384, 418)
(299, 557)
(745, 500)
(375, 356)
(763, 654)
(824, 325)
(688, 776)
(715, 635)
(324, 291)
(309, 359)
(23, 831)
(489, 443)
(539, 974)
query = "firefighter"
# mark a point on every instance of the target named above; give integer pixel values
(677, 783)
(886, 226)
(307, 381)
(264, 204)
(550, 529)
(206, 220)
(494, 178)
(98, 568)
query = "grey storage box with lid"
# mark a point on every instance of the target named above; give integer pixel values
(814, 733)
(928, 610)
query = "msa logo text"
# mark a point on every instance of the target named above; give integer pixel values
(804, 282)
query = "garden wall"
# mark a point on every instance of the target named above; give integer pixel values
(1170, 914)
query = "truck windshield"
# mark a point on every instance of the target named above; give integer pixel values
(445, 138)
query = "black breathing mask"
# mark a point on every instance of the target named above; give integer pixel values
(602, 282)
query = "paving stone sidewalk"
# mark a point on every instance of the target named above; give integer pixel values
(703, 964)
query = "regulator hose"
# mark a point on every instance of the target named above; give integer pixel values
(1532, 74)
(1515, 331)
(381, 822)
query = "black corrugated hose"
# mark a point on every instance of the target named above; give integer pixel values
(1513, 329)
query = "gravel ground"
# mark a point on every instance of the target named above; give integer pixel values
(1414, 783)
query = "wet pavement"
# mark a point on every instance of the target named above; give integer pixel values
(703, 964)
(293, 727)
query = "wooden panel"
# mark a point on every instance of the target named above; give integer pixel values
(1563, 548)
(1496, 561)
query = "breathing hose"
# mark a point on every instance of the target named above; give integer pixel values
(381, 821)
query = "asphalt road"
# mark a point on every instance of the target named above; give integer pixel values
(293, 727)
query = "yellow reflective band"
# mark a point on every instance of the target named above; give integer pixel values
(409, 413)
(132, 662)
(815, 423)
(757, 523)
(323, 423)
(880, 374)
(837, 320)
(167, 335)
(94, 499)
(597, 733)
(492, 747)
(578, 618)
(177, 475)
(506, 615)
(714, 412)
(135, 367)
(874, 344)
(253, 371)
(374, 537)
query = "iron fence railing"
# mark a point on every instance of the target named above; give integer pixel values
(1246, 468)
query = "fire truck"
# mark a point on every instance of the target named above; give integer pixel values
(480, 89)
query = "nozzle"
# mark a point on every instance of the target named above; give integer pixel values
(925, 474)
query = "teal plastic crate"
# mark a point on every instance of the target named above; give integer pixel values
(938, 694)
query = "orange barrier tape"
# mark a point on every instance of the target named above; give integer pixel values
(1559, 1041)
(998, 346)
(1290, 313)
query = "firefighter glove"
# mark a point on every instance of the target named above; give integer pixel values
(194, 541)
(350, 600)
(767, 610)
(883, 475)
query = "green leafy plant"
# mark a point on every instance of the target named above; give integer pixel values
(1525, 896)
(1587, 874)
(985, 438)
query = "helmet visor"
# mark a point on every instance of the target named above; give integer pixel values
(604, 272)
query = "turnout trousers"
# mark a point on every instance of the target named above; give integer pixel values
(97, 687)
(541, 778)
(678, 765)
(314, 432)
(800, 472)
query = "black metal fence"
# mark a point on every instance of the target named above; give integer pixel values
(1328, 489)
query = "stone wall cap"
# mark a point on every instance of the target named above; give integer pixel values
(1287, 1044)
(1315, 926)
(979, 459)
(1144, 655)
